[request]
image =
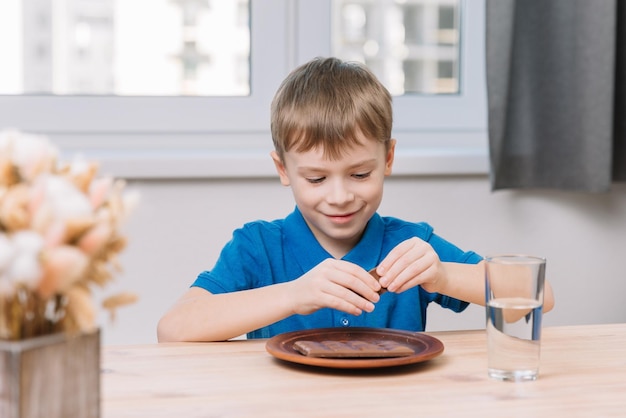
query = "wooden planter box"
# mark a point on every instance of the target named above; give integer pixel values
(50, 376)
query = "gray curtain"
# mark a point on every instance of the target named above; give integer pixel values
(556, 93)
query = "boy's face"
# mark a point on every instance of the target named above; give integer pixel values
(337, 197)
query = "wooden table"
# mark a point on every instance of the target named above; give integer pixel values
(582, 373)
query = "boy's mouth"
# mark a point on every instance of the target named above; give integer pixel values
(341, 218)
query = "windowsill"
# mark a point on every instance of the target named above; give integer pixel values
(216, 156)
(258, 164)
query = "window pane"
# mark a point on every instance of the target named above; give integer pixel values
(411, 45)
(125, 47)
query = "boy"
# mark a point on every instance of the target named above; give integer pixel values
(331, 126)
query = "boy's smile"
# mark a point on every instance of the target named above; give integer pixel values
(337, 197)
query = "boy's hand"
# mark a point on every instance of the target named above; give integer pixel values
(334, 284)
(412, 262)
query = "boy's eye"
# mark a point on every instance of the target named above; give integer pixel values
(315, 180)
(360, 176)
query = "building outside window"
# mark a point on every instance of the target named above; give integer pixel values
(131, 48)
(413, 45)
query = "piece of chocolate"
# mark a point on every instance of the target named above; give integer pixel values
(377, 277)
(352, 349)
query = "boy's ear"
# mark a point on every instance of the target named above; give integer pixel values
(280, 168)
(390, 156)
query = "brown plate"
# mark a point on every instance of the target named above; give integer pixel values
(424, 346)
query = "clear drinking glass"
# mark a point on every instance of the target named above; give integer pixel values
(514, 286)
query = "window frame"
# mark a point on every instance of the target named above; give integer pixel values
(223, 137)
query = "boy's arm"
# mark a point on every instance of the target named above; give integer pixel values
(414, 262)
(202, 316)
(467, 282)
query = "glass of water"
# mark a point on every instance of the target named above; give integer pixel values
(514, 286)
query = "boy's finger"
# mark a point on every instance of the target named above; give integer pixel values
(377, 277)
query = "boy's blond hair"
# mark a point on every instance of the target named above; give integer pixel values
(327, 103)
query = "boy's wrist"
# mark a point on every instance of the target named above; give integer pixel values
(440, 283)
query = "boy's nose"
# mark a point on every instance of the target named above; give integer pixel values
(339, 194)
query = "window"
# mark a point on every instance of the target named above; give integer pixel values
(126, 48)
(162, 135)
(443, 133)
(412, 46)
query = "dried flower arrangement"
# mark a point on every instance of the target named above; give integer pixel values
(59, 236)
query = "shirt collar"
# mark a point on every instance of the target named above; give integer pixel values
(307, 251)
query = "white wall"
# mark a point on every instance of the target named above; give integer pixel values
(180, 227)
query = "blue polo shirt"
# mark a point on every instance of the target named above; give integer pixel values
(263, 253)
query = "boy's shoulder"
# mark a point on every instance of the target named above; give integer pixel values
(293, 223)
(395, 225)
(262, 226)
